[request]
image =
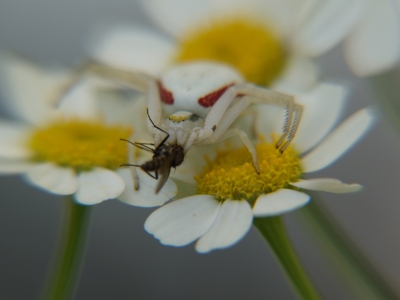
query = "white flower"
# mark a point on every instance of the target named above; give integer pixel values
(370, 30)
(71, 150)
(231, 194)
(272, 42)
(269, 62)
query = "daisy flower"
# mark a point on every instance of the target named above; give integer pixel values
(74, 149)
(230, 193)
(239, 36)
(270, 42)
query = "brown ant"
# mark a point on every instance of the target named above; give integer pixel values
(164, 158)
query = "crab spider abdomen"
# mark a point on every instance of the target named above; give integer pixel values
(195, 87)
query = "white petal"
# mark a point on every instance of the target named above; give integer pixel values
(231, 225)
(144, 196)
(322, 108)
(54, 179)
(13, 140)
(134, 49)
(269, 119)
(194, 163)
(330, 185)
(8, 166)
(374, 45)
(300, 73)
(326, 23)
(98, 185)
(278, 15)
(177, 16)
(121, 106)
(339, 141)
(27, 88)
(183, 221)
(80, 102)
(279, 202)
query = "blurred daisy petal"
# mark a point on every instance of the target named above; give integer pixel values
(13, 139)
(144, 196)
(374, 45)
(278, 15)
(118, 106)
(183, 221)
(300, 73)
(134, 49)
(325, 23)
(330, 185)
(80, 102)
(339, 141)
(98, 185)
(269, 120)
(279, 202)
(173, 16)
(53, 179)
(232, 223)
(8, 166)
(27, 87)
(322, 108)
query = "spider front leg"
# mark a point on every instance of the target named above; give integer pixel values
(294, 110)
(136, 80)
(257, 95)
(222, 132)
(223, 117)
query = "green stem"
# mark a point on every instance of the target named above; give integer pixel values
(71, 247)
(362, 277)
(386, 88)
(273, 230)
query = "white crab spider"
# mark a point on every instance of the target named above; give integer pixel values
(201, 100)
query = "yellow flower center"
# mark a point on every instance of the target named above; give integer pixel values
(232, 176)
(81, 145)
(250, 47)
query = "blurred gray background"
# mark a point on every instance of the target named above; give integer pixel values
(124, 262)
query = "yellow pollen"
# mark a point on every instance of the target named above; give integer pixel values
(250, 47)
(232, 176)
(81, 145)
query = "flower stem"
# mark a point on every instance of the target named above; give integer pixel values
(273, 230)
(71, 247)
(362, 277)
(387, 91)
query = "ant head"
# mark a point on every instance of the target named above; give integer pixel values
(178, 156)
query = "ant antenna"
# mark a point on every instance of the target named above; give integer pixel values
(148, 115)
(166, 138)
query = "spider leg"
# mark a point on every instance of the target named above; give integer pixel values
(253, 94)
(136, 80)
(222, 132)
(294, 110)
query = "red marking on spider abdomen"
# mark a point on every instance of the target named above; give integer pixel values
(165, 95)
(210, 99)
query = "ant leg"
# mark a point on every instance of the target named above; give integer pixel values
(155, 176)
(142, 146)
